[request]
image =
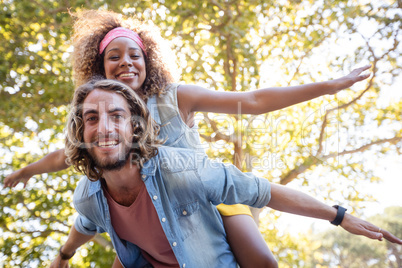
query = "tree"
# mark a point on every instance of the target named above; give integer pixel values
(228, 45)
(35, 89)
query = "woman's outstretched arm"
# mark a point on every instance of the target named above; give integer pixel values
(198, 99)
(52, 162)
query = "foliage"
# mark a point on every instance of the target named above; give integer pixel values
(35, 89)
(334, 247)
(289, 250)
(228, 45)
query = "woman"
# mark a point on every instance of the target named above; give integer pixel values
(126, 49)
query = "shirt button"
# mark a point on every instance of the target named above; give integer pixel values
(184, 212)
(184, 265)
(174, 244)
(155, 197)
(163, 219)
(144, 176)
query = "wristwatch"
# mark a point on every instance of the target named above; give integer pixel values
(339, 215)
(65, 256)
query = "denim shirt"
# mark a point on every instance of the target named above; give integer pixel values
(185, 186)
(164, 110)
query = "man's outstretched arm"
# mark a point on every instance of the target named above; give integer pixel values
(75, 240)
(295, 202)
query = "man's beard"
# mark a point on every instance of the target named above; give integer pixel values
(110, 164)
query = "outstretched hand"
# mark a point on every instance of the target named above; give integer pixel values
(59, 263)
(361, 227)
(16, 177)
(349, 80)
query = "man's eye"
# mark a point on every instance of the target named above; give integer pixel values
(117, 116)
(92, 118)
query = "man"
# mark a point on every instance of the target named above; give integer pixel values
(158, 203)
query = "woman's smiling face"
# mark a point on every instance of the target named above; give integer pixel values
(124, 61)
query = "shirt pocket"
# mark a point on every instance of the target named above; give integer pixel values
(173, 131)
(188, 216)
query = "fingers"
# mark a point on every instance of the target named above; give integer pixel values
(362, 77)
(10, 180)
(391, 238)
(379, 234)
(358, 71)
(13, 179)
(364, 68)
(6, 182)
(9, 183)
(361, 227)
(374, 233)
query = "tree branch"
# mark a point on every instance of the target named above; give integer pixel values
(218, 136)
(313, 160)
(363, 148)
(343, 106)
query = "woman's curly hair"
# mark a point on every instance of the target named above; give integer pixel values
(144, 144)
(91, 26)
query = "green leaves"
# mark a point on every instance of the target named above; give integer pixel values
(223, 45)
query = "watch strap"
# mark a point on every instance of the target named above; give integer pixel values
(65, 256)
(339, 215)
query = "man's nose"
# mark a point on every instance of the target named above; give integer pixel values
(104, 126)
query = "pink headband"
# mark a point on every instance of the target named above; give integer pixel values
(120, 32)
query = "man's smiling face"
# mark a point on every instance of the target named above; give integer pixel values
(107, 129)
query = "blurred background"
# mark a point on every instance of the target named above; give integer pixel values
(343, 149)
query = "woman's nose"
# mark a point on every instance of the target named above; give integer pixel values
(126, 61)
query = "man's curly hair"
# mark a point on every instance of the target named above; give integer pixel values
(91, 26)
(145, 140)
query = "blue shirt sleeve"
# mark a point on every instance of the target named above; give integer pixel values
(82, 223)
(227, 184)
(85, 226)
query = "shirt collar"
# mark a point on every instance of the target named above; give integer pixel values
(149, 167)
(94, 186)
